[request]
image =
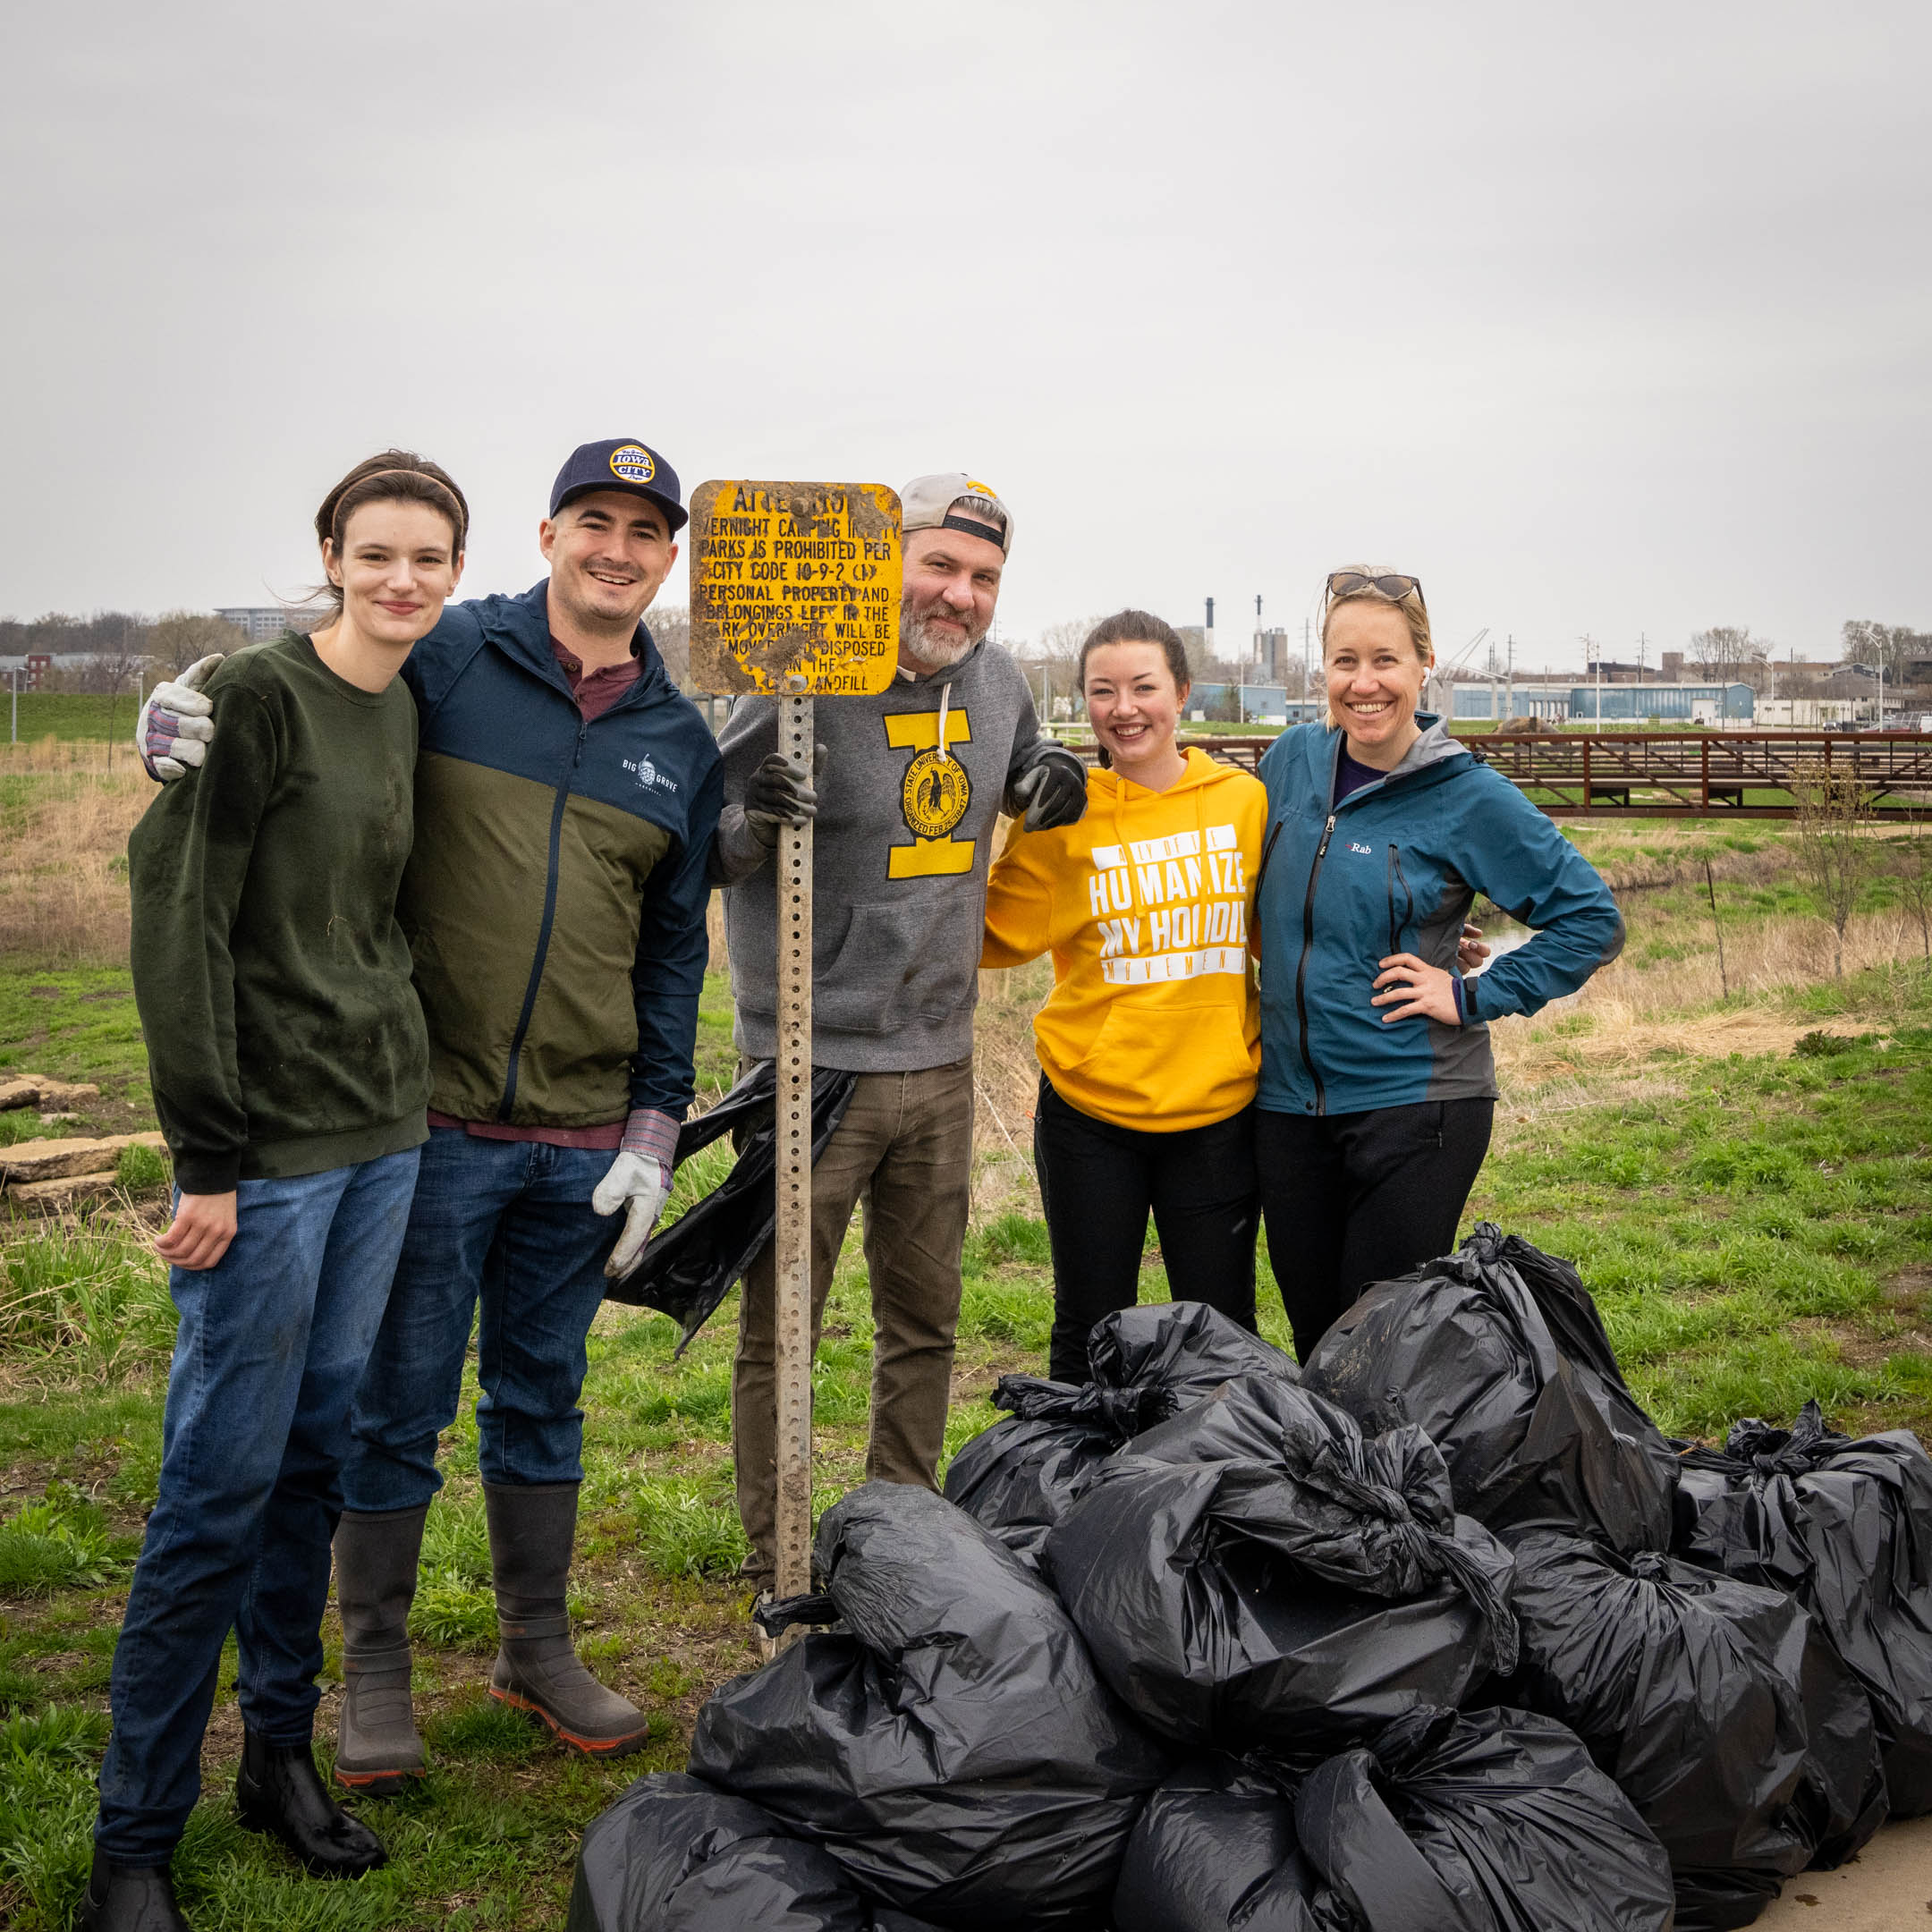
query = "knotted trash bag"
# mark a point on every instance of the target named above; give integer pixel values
(1498, 1354)
(1174, 1353)
(674, 1854)
(1689, 1688)
(1018, 1478)
(689, 1267)
(1846, 1527)
(1487, 1821)
(952, 1747)
(1257, 1566)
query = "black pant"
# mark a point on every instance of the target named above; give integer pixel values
(1097, 1183)
(1352, 1199)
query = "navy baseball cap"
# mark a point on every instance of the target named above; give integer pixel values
(620, 463)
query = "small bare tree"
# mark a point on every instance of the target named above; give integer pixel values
(1831, 811)
(180, 638)
(669, 625)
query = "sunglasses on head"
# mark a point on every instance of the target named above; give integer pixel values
(1348, 583)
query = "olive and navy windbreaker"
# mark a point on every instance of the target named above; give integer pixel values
(554, 899)
(1395, 868)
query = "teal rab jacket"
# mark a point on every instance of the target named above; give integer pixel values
(1395, 868)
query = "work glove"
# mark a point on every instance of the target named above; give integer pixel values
(1050, 788)
(176, 723)
(638, 1183)
(781, 791)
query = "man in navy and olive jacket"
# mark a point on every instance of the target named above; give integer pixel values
(554, 900)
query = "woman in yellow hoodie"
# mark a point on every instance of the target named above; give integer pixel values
(1149, 1042)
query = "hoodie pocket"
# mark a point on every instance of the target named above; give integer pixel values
(902, 963)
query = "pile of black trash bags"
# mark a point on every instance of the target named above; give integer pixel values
(1434, 1633)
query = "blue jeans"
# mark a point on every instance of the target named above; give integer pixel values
(272, 1343)
(508, 1222)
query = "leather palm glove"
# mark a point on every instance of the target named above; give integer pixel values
(638, 1180)
(176, 723)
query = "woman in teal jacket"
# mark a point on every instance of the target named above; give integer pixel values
(1378, 1082)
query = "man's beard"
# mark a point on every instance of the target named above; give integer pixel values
(928, 651)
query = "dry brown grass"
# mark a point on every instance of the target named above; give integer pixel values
(1628, 1014)
(63, 895)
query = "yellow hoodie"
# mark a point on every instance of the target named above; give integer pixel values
(1154, 1022)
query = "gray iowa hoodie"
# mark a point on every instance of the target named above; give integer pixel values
(914, 779)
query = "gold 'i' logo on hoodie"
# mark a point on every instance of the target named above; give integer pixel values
(935, 795)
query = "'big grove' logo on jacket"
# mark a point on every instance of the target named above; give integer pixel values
(647, 773)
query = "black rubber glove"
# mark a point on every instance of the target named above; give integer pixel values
(1050, 786)
(780, 792)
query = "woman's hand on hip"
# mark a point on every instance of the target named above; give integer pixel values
(203, 1226)
(1423, 991)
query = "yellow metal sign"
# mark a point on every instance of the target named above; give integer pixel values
(795, 580)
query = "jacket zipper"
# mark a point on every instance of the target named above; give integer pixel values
(1408, 917)
(1267, 853)
(543, 930)
(1307, 946)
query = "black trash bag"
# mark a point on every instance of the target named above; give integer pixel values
(1149, 1363)
(1018, 1478)
(1490, 1821)
(952, 1747)
(1688, 1689)
(1256, 1567)
(674, 1854)
(1214, 1848)
(1846, 1527)
(1175, 1353)
(1498, 1353)
(689, 1267)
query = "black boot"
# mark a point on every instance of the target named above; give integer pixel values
(278, 1790)
(532, 1529)
(128, 1898)
(377, 1747)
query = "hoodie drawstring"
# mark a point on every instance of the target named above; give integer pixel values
(946, 695)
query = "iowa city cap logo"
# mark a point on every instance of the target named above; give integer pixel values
(633, 462)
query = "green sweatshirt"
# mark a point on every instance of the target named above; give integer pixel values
(284, 1036)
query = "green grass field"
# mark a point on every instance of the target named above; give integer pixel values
(71, 717)
(1757, 1231)
(1756, 1227)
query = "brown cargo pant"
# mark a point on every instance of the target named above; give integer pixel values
(905, 1148)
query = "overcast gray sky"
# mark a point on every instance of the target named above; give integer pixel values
(1610, 321)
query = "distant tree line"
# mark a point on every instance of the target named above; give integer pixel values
(107, 651)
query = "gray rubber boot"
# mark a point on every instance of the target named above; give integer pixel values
(377, 1747)
(532, 1529)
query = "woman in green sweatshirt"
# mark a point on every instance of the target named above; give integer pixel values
(289, 1069)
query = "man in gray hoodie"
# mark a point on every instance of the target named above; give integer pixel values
(913, 780)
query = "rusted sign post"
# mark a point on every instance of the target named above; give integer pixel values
(794, 593)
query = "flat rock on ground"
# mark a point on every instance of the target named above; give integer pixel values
(35, 1090)
(66, 1190)
(52, 1160)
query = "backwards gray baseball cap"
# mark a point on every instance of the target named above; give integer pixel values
(928, 504)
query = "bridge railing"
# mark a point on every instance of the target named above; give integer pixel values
(1661, 775)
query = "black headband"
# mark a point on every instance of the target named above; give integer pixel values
(985, 530)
